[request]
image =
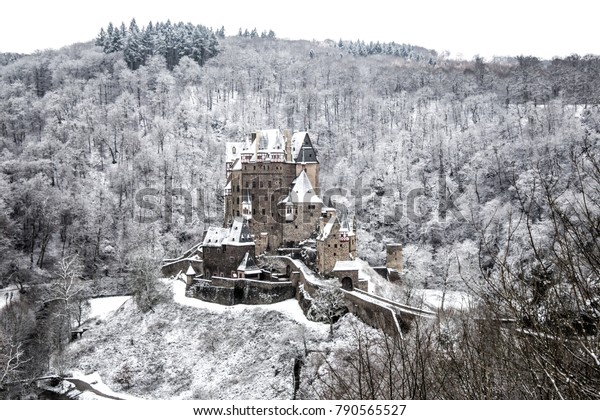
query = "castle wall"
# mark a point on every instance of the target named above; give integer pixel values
(230, 291)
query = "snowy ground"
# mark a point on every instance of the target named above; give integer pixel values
(101, 307)
(94, 381)
(451, 299)
(189, 349)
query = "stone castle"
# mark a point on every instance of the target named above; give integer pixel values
(273, 184)
(273, 207)
(273, 204)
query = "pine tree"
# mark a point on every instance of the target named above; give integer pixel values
(132, 51)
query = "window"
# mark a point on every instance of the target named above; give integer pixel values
(253, 184)
(233, 150)
(264, 212)
(261, 184)
(238, 200)
(269, 184)
(238, 188)
(335, 246)
(246, 184)
(253, 211)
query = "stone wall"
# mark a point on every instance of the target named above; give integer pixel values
(229, 291)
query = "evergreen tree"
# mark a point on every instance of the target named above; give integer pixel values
(133, 47)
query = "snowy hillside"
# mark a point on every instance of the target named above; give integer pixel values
(190, 349)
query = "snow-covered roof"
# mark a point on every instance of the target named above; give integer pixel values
(233, 150)
(266, 141)
(346, 266)
(302, 191)
(190, 271)
(345, 227)
(270, 140)
(214, 236)
(237, 234)
(327, 229)
(248, 265)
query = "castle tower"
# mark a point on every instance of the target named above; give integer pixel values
(394, 256)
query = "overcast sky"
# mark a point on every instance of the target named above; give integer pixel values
(466, 27)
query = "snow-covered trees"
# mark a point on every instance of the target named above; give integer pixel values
(510, 144)
(172, 41)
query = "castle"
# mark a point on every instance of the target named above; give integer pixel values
(272, 202)
(273, 206)
(273, 209)
(272, 182)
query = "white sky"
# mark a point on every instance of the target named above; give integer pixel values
(467, 27)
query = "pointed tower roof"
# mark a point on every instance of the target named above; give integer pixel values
(190, 271)
(302, 148)
(302, 191)
(248, 265)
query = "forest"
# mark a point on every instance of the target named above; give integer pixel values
(488, 171)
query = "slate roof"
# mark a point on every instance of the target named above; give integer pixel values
(302, 149)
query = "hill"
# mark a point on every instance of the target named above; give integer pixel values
(189, 349)
(487, 172)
